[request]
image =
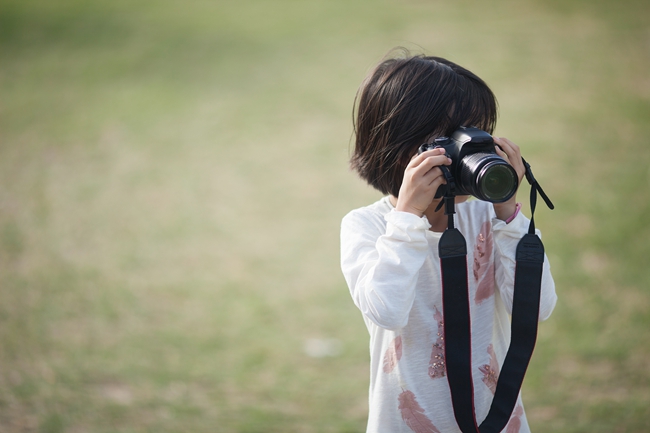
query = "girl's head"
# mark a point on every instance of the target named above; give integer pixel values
(404, 102)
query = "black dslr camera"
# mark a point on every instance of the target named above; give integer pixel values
(475, 166)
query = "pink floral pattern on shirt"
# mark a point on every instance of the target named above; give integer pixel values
(413, 414)
(483, 267)
(393, 354)
(490, 371)
(514, 425)
(437, 367)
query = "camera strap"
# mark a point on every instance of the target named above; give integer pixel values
(452, 249)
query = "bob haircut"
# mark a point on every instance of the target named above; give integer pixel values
(406, 101)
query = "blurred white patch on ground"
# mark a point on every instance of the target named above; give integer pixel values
(322, 347)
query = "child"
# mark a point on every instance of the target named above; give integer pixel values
(389, 250)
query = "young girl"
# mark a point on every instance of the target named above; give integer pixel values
(389, 250)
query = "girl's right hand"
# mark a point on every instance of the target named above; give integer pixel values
(422, 178)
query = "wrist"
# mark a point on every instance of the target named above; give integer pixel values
(409, 210)
(507, 212)
(402, 207)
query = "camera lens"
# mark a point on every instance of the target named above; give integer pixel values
(488, 177)
(497, 182)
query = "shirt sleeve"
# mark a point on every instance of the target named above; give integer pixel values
(381, 264)
(506, 239)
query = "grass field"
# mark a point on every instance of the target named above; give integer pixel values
(173, 175)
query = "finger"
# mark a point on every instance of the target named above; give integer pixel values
(433, 175)
(431, 162)
(510, 148)
(419, 158)
(511, 153)
(500, 143)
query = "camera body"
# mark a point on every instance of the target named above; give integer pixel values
(475, 166)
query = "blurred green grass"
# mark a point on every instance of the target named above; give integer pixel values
(173, 177)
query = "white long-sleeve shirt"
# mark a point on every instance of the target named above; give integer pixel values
(391, 265)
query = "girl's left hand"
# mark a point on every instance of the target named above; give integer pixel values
(509, 151)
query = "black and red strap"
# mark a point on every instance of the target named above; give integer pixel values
(452, 249)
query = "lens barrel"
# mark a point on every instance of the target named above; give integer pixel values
(488, 177)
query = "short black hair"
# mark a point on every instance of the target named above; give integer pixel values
(403, 102)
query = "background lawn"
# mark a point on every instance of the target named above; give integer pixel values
(173, 175)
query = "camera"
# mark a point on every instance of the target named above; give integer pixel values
(475, 166)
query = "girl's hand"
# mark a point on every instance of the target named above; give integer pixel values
(422, 177)
(509, 151)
